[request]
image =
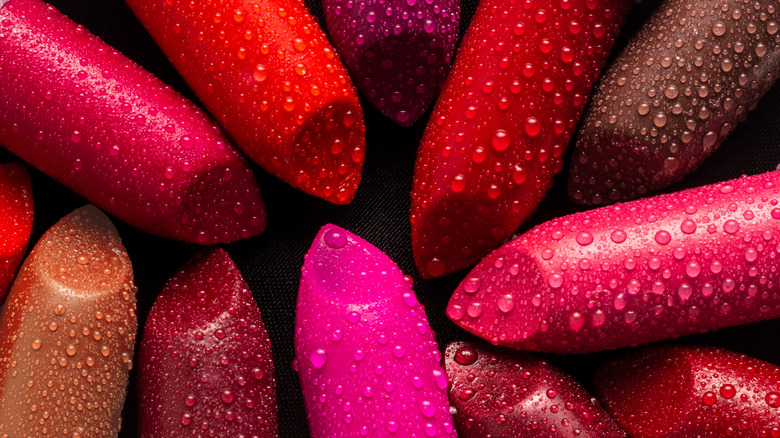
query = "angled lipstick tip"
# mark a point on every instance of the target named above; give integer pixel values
(327, 158)
(82, 253)
(222, 336)
(224, 206)
(362, 340)
(76, 282)
(335, 253)
(484, 381)
(515, 298)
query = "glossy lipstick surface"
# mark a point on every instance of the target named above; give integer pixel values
(16, 220)
(691, 392)
(366, 357)
(205, 366)
(682, 84)
(267, 73)
(397, 51)
(90, 118)
(651, 269)
(504, 394)
(497, 135)
(67, 333)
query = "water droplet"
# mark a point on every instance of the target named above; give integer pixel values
(506, 303)
(458, 183)
(728, 391)
(555, 280)
(501, 140)
(718, 28)
(428, 409)
(335, 238)
(688, 226)
(584, 238)
(576, 321)
(532, 127)
(663, 237)
(659, 120)
(474, 310)
(618, 236)
(261, 73)
(471, 284)
(731, 226)
(692, 269)
(466, 394)
(466, 356)
(520, 175)
(709, 398)
(773, 399)
(318, 358)
(684, 291)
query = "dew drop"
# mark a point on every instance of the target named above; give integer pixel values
(474, 310)
(520, 175)
(318, 358)
(731, 226)
(718, 28)
(532, 127)
(773, 399)
(466, 356)
(500, 140)
(428, 409)
(506, 303)
(458, 183)
(684, 291)
(618, 236)
(659, 120)
(688, 226)
(663, 237)
(692, 269)
(260, 74)
(584, 238)
(472, 284)
(728, 391)
(335, 238)
(576, 321)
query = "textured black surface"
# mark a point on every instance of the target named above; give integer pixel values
(271, 262)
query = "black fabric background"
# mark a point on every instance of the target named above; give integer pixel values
(271, 262)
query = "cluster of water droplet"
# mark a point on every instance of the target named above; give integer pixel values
(208, 371)
(678, 89)
(499, 394)
(90, 118)
(68, 333)
(267, 73)
(675, 264)
(500, 127)
(691, 391)
(398, 51)
(365, 354)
